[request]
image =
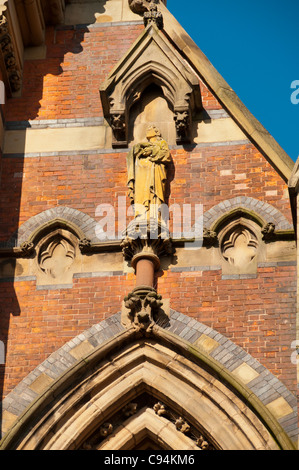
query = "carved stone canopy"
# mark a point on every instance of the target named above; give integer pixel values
(152, 59)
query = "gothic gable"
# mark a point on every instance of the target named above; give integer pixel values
(151, 60)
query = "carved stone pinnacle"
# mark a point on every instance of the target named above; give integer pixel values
(149, 10)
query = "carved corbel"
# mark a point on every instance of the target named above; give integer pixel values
(209, 237)
(182, 124)
(119, 130)
(85, 245)
(27, 249)
(268, 231)
(144, 305)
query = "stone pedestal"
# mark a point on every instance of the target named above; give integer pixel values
(144, 243)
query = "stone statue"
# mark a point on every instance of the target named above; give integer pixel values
(147, 174)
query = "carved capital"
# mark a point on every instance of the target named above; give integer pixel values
(147, 240)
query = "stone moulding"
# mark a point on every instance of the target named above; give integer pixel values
(151, 60)
(190, 375)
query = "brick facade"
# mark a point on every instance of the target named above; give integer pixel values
(256, 312)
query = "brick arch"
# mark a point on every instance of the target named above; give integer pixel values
(83, 224)
(263, 210)
(200, 348)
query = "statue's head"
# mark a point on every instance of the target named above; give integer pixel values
(152, 132)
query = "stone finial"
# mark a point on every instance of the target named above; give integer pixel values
(149, 10)
(153, 16)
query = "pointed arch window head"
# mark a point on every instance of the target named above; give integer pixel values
(152, 60)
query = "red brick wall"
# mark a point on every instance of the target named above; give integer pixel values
(66, 84)
(257, 314)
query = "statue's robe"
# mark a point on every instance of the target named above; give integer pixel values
(147, 175)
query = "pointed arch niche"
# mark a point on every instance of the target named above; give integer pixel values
(113, 389)
(152, 107)
(152, 61)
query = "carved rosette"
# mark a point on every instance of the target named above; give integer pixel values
(183, 426)
(13, 69)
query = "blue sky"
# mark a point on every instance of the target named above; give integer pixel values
(254, 45)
